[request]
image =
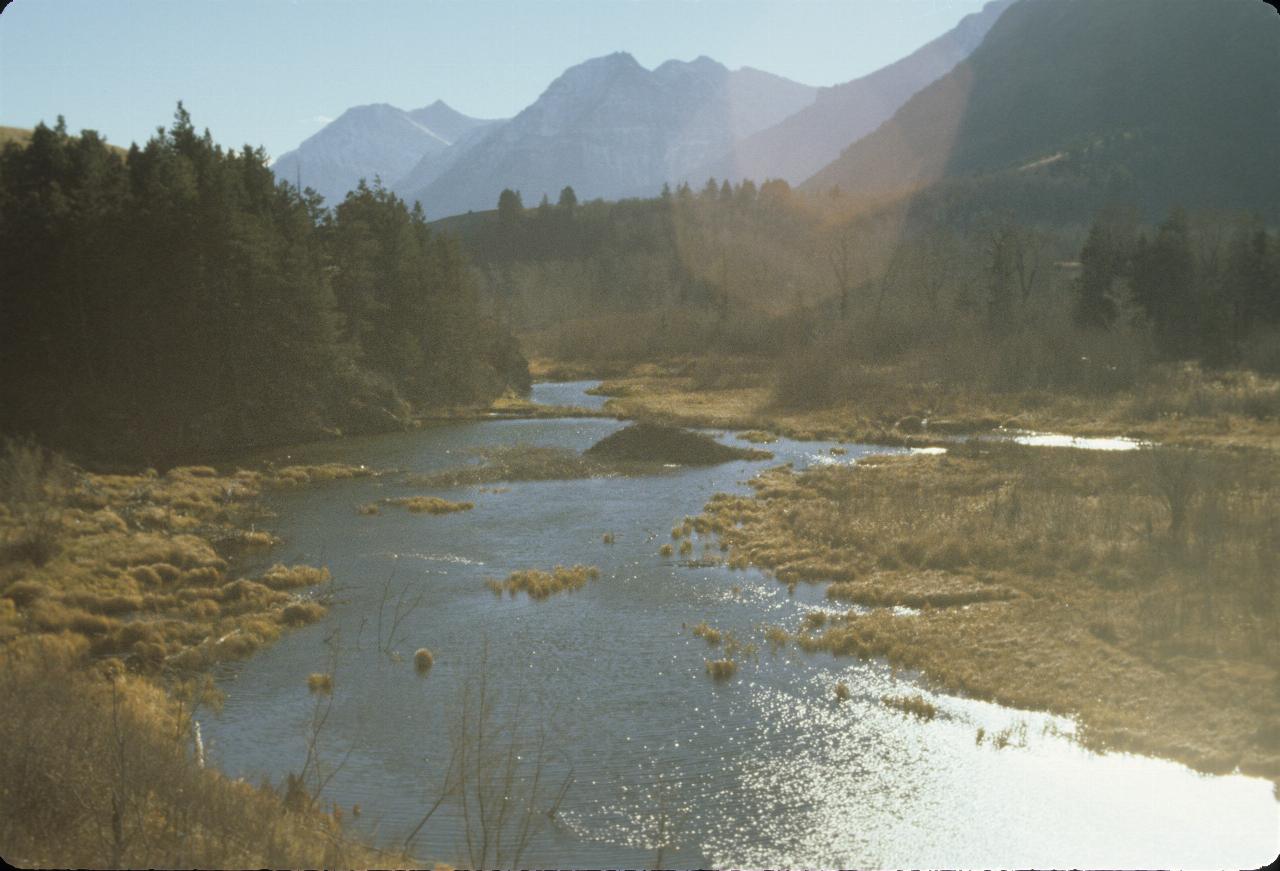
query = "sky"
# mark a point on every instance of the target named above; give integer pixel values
(272, 72)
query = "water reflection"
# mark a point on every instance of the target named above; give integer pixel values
(767, 769)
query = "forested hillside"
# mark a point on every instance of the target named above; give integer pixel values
(1069, 105)
(179, 300)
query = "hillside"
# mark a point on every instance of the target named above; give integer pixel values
(1069, 104)
(800, 145)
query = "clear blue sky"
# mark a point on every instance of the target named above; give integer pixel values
(271, 72)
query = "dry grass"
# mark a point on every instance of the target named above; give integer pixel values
(423, 659)
(429, 504)
(1135, 591)
(916, 705)
(721, 669)
(707, 633)
(1170, 404)
(102, 770)
(842, 691)
(136, 595)
(540, 585)
(757, 437)
(320, 683)
(514, 463)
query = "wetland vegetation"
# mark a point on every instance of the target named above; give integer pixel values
(838, 401)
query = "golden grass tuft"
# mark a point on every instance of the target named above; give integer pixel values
(721, 669)
(282, 577)
(842, 691)
(423, 659)
(540, 585)
(302, 613)
(916, 705)
(368, 509)
(607, 538)
(757, 437)
(320, 683)
(429, 504)
(776, 637)
(666, 550)
(706, 633)
(686, 547)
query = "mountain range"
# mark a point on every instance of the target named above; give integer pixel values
(610, 128)
(1088, 100)
(1070, 104)
(377, 140)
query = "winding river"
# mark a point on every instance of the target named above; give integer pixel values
(766, 769)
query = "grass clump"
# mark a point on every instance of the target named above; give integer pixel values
(916, 706)
(282, 577)
(657, 443)
(320, 683)
(707, 633)
(842, 691)
(423, 659)
(540, 585)
(721, 669)
(757, 437)
(607, 538)
(666, 550)
(429, 504)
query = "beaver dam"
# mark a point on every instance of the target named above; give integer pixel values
(786, 756)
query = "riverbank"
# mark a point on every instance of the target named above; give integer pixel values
(118, 593)
(1132, 591)
(1175, 405)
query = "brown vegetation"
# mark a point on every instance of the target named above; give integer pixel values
(1135, 591)
(429, 504)
(915, 705)
(105, 628)
(102, 770)
(539, 584)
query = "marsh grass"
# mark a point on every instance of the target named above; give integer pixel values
(915, 705)
(514, 463)
(721, 669)
(423, 660)
(1077, 582)
(538, 584)
(428, 504)
(707, 633)
(102, 638)
(102, 770)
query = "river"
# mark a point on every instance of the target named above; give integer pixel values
(766, 769)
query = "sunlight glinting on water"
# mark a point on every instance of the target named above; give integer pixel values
(767, 768)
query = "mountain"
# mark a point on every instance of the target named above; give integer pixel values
(805, 142)
(611, 128)
(375, 140)
(1070, 104)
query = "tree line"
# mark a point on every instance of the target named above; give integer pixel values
(177, 299)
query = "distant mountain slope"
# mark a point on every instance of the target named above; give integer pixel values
(375, 140)
(800, 145)
(1151, 102)
(610, 128)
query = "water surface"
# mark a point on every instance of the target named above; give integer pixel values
(767, 769)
